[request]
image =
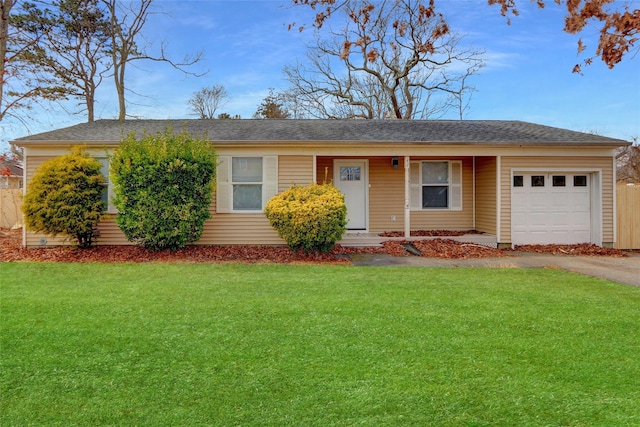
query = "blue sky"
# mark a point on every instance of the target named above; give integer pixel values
(246, 45)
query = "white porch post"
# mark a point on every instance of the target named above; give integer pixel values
(407, 193)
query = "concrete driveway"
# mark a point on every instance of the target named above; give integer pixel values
(620, 270)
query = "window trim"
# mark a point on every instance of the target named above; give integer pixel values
(224, 182)
(452, 194)
(247, 183)
(105, 162)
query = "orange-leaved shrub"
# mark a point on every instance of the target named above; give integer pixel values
(311, 218)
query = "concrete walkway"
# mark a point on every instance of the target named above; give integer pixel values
(620, 270)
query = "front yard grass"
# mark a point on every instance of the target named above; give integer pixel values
(273, 345)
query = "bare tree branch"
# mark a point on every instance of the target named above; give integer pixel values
(391, 61)
(205, 102)
(127, 23)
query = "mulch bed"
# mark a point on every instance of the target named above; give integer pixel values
(11, 250)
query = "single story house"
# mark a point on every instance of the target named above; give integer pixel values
(11, 175)
(515, 182)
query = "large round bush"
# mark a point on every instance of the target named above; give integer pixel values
(311, 218)
(163, 185)
(65, 197)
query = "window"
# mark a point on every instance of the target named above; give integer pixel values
(245, 184)
(350, 173)
(559, 181)
(107, 190)
(436, 185)
(537, 180)
(246, 178)
(580, 181)
(518, 181)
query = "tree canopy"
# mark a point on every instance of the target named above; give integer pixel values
(619, 24)
(61, 49)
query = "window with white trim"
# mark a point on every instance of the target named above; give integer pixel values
(246, 180)
(107, 191)
(436, 185)
(245, 183)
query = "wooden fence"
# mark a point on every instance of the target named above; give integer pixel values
(10, 202)
(628, 206)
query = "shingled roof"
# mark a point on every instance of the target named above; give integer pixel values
(388, 131)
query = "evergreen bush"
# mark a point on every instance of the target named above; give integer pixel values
(64, 197)
(310, 218)
(163, 187)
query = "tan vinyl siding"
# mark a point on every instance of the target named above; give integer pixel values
(386, 190)
(486, 194)
(239, 229)
(296, 170)
(110, 233)
(449, 219)
(386, 195)
(605, 164)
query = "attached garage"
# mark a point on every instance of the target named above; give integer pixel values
(557, 207)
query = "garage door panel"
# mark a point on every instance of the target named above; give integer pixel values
(580, 199)
(558, 214)
(560, 219)
(537, 219)
(537, 201)
(558, 201)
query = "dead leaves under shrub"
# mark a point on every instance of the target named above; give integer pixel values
(11, 250)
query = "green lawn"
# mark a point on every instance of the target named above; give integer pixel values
(272, 345)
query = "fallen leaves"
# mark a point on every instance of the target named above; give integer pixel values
(11, 250)
(428, 233)
(584, 249)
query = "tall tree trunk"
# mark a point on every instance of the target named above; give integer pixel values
(5, 8)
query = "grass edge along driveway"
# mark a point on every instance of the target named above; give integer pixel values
(272, 345)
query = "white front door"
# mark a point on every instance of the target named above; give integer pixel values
(351, 178)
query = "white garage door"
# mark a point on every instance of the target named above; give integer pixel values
(549, 208)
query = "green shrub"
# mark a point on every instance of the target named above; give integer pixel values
(64, 197)
(311, 218)
(163, 187)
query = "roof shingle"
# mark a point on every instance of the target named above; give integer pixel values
(410, 131)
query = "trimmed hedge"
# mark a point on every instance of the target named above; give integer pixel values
(311, 218)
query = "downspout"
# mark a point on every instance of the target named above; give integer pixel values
(407, 193)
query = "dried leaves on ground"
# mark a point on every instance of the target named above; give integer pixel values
(428, 233)
(11, 250)
(581, 249)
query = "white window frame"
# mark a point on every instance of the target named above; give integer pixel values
(246, 183)
(224, 183)
(104, 161)
(454, 186)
